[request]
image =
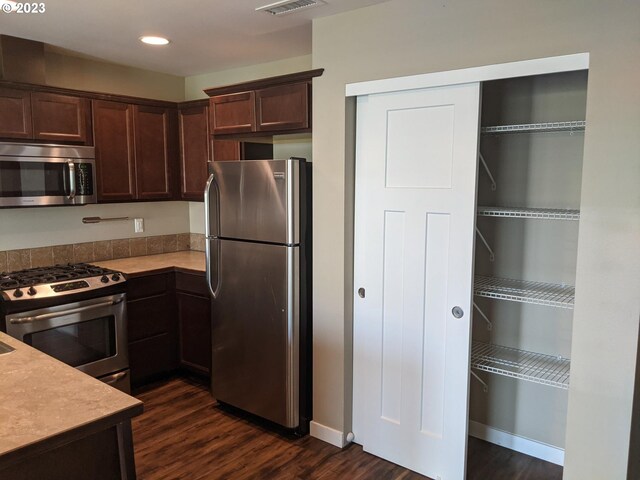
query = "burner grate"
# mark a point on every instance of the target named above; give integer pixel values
(44, 275)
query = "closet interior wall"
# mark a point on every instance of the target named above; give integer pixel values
(531, 170)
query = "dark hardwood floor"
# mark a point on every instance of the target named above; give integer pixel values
(183, 434)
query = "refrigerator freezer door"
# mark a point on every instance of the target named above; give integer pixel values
(255, 331)
(257, 200)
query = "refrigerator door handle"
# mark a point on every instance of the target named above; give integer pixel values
(213, 265)
(212, 258)
(211, 184)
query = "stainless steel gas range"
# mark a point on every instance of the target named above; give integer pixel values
(75, 313)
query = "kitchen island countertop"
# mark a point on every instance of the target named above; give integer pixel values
(45, 403)
(190, 261)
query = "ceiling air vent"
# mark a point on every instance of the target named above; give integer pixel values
(287, 6)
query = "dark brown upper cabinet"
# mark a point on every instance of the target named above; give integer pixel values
(60, 118)
(275, 105)
(115, 167)
(155, 151)
(136, 151)
(46, 116)
(233, 113)
(285, 107)
(15, 114)
(224, 150)
(194, 151)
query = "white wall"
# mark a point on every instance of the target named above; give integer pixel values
(195, 84)
(285, 146)
(404, 37)
(196, 217)
(41, 227)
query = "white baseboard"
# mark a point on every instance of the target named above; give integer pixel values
(328, 434)
(524, 445)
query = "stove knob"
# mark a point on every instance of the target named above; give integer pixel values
(115, 277)
(32, 291)
(104, 279)
(18, 293)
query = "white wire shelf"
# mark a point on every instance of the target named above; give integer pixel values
(573, 126)
(539, 213)
(538, 293)
(529, 366)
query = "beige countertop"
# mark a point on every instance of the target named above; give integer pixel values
(189, 260)
(43, 400)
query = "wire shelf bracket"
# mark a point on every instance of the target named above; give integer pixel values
(535, 213)
(486, 319)
(537, 293)
(485, 387)
(530, 366)
(492, 256)
(486, 169)
(572, 126)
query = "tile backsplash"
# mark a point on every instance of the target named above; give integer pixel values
(12, 260)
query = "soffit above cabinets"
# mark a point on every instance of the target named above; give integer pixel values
(205, 36)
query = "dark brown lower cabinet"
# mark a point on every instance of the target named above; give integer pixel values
(169, 325)
(152, 327)
(194, 321)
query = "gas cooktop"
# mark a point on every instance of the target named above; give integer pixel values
(43, 282)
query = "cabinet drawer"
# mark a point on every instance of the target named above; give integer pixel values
(192, 283)
(140, 287)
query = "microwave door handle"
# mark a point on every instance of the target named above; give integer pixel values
(72, 180)
(61, 313)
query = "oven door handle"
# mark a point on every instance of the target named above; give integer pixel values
(111, 379)
(61, 313)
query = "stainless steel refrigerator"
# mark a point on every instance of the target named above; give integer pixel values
(258, 248)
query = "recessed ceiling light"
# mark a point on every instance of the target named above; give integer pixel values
(154, 40)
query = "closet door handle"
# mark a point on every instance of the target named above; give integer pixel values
(457, 312)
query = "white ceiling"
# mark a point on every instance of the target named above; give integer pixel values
(206, 35)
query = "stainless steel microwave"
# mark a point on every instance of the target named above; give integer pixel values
(34, 175)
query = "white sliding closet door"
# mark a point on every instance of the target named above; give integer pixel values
(415, 217)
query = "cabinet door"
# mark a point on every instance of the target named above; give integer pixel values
(151, 327)
(60, 118)
(284, 107)
(194, 317)
(154, 151)
(113, 135)
(194, 151)
(224, 150)
(233, 113)
(15, 114)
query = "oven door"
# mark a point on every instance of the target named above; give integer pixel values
(89, 335)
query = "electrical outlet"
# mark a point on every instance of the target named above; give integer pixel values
(138, 225)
